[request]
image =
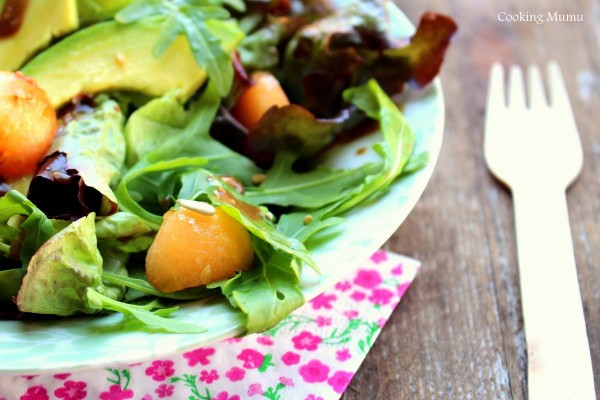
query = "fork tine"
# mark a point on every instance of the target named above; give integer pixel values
(537, 94)
(559, 97)
(516, 88)
(496, 98)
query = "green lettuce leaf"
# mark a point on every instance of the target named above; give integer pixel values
(163, 130)
(65, 277)
(37, 228)
(10, 282)
(75, 177)
(124, 231)
(60, 273)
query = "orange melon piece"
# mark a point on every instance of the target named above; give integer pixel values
(256, 100)
(27, 125)
(193, 249)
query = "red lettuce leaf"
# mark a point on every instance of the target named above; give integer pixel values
(291, 127)
(350, 47)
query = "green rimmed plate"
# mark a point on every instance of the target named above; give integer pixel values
(33, 347)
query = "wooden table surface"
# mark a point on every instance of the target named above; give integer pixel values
(458, 333)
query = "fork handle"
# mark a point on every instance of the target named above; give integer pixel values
(559, 361)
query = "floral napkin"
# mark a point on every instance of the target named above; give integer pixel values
(311, 355)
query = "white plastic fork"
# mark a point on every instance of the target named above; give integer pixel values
(532, 145)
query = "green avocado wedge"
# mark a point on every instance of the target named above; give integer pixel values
(110, 56)
(91, 11)
(42, 21)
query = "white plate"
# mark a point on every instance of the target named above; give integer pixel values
(34, 347)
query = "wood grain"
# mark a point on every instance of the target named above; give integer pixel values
(458, 333)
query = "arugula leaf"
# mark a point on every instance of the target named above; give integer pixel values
(268, 292)
(313, 189)
(204, 184)
(113, 261)
(396, 147)
(190, 18)
(145, 287)
(302, 225)
(99, 302)
(126, 189)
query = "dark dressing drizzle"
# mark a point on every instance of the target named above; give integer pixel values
(12, 16)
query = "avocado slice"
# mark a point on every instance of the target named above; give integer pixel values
(42, 21)
(111, 56)
(91, 11)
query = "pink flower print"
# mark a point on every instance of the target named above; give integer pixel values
(339, 381)
(381, 296)
(379, 256)
(116, 393)
(233, 340)
(323, 301)
(313, 397)
(358, 296)
(225, 396)
(160, 370)
(398, 269)
(235, 374)
(199, 356)
(147, 397)
(62, 377)
(351, 314)
(35, 393)
(401, 289)
(165, 390)
(343, 286)
(343, 355)
(264, 340)
(255, 388)
(314, 371)
(321, 321)
(306, 340)
(251, 358)
(286, 381)
(368, 278)
(290, 358)
(209, 376)
(71, 390)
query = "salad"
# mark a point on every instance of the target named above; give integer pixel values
(160, 151)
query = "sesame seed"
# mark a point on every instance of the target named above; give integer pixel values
(270, 216)
(198, 206)
(257, 179)
(120, 60)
